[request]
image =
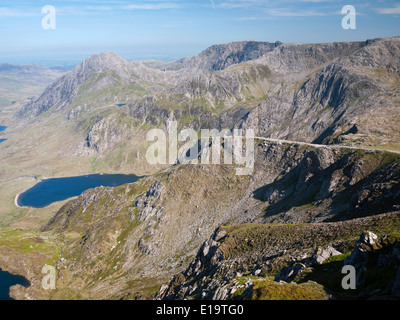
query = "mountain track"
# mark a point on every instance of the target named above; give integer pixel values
(336, 146)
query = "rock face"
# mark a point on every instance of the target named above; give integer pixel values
(104, 135)
(205, 263)
(219, 57)
(335, 104)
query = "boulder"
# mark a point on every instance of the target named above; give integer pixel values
(364, 246)
(322, 254)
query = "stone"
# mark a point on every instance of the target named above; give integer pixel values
(288, 274)
(322, 254)
(360, 253)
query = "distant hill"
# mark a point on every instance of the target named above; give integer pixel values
(20, 82)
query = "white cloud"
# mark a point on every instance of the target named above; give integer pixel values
(395, 10)
(155, 6)
(7, 12)
(250, 18)
(316, 1)
(232, 4)
(283, 12)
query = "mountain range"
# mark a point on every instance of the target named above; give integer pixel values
(325, 189)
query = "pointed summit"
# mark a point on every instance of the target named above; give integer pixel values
(105, 61)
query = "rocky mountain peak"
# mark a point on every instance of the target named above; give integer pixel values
(222, 56)
(61, 92)
(105, 61)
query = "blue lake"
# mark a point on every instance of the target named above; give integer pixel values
(2, 128)
(48, 191)
(7, 280)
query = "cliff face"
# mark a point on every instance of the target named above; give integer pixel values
(341, 103)
(219, 57)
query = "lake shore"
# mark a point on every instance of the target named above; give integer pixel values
(16, 201)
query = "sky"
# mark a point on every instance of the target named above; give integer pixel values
(171, 29)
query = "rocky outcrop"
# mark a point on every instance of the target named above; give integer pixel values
(322, 254)
(289, 273)
(375, 253)
(104, 135)
(76, 112)
(297, 268)
(204, 264)
(364, 245)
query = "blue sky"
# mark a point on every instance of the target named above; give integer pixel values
(170, 29)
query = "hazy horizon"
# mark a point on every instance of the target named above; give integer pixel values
(171, 29)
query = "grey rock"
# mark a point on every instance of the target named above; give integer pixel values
(220, 234)
(76, 112)
(364, 246)
(220, 294)
(288, 274)
(322, 254)
(257, 272)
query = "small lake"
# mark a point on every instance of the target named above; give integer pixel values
(7, 280)
(52, 190)
(2, 128)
